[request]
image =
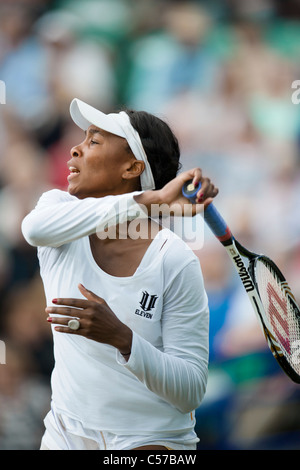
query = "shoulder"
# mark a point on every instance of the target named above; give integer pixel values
(55, 196)
(182, 273)
(177, 253)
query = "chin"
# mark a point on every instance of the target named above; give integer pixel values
(71, 190)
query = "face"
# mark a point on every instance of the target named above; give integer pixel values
(102, 165)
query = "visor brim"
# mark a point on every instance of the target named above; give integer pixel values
(85, 116)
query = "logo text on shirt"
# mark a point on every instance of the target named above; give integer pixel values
(147, 303)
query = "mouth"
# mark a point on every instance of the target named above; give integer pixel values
(73, 172)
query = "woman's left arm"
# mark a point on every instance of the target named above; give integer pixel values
(179, 372)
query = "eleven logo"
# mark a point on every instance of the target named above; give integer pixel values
(147, 303)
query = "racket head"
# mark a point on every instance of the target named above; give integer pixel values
(280, 314)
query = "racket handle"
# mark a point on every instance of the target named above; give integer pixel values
(212, 217)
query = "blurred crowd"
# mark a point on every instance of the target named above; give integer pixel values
(220, 72)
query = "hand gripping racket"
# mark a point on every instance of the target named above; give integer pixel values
(267, 289)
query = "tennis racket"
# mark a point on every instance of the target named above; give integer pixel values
(267, 289)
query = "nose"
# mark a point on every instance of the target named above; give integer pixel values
(76, 151)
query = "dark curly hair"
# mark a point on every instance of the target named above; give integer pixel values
(160, 144)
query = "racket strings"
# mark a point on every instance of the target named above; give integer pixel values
(282, 312)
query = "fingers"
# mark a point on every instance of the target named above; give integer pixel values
(207, 202)
(89, 294)
(195, 175)
(72, 302)
(80, 303)
(207, 191)
(71, 307)
(66, 311)
(61, 324)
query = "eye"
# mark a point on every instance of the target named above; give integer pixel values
(93, 142)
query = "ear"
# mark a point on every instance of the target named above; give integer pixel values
(136, 169)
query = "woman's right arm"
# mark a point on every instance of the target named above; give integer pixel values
(60, 218)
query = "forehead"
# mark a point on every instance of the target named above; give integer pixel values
(113, 138)
(93, 130)
(96, 130)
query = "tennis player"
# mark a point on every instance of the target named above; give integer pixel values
(129, 314)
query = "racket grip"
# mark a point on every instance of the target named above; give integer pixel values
(217, 224)
(212, 217)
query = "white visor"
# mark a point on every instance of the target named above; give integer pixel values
(119, 124)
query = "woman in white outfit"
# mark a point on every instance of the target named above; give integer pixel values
(129, 313)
